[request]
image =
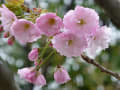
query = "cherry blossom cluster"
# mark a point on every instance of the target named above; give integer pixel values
(78, 33)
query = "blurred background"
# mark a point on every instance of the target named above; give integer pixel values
(83, 75)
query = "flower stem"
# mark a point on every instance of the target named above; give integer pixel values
(41, 55)
(44, 50)
(45, 60)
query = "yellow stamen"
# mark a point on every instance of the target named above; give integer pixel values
(51, 21)
(70, 42)
(81, 22)
(26, 26)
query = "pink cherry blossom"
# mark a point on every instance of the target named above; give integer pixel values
(7, 18)
(30, 75)
(99, 41)
(49, 24)
(25, 31)
(61, 76)
(40, 80)
(69, 44)
(81, 20)
(33, 55)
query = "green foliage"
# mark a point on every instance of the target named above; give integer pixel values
(16, 9)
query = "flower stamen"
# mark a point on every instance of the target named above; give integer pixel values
(26, 26)
(70, 42)
(81, 22)
(51, 21)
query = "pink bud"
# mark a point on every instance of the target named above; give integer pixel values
(61, 76)
(40, 80)
(36, 63)
(1, 28)
(11, 41)
(6, 35)
(50, 44)
(33, 55)
(30, 75)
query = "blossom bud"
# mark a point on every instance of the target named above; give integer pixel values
(40, 80)
(11, 41)
(61, 76)
(36, 63)
(6, 35)
(33, 55)
(30, 75)
(1, 28)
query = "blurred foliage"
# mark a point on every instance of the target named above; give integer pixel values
(15, 2)
(83, 75)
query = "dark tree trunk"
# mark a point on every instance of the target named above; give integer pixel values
(112, 8)
(6, 78)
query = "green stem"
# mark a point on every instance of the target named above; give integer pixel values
(37, 3)
(44, 50)
(42, 54)
(45, 60)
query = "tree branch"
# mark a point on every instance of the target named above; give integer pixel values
(102, 69)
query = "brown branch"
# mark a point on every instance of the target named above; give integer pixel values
(103, 69)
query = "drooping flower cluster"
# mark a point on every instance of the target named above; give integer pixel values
(31, 76)
(79, 32)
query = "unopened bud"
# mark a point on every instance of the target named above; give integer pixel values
(1, 28)
(11, 41)
(6, 35)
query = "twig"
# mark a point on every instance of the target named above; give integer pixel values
(103, 69)
(45, 60)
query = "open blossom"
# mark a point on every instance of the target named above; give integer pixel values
(61, 76)
(7, 18)
(99, 41)
(25, 31)
(69, 44)
(49, 24)
(81, 20)
(33, 55)
(30, 75)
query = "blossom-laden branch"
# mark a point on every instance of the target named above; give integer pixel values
(77, 32)
(102, 69)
